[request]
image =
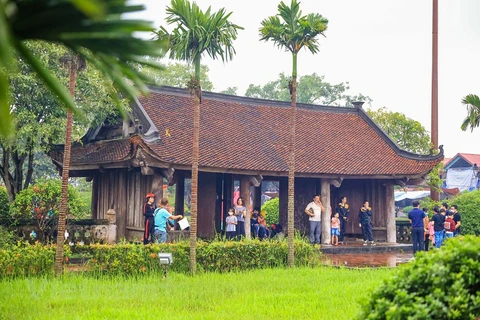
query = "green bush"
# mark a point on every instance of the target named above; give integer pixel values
(24, 259)
(407, 209)
(271, 208)
(469, 209)
(216, 256)
(4, 203)
(7, 237)
(429, 203)
(438, 284)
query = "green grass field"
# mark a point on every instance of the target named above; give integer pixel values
(301, 293)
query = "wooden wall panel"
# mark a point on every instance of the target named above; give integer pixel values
(206, 204)
(305, 188)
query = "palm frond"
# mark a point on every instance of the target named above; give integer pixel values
(92, 29)
(472, 102)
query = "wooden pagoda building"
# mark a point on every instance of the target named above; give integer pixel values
(339, 151)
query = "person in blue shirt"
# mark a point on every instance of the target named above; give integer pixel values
(161, 217)
(418, 229)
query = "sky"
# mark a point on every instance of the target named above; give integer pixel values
(383, 48)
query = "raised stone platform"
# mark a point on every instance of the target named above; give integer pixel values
(357, 247)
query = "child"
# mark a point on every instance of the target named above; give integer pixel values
(449, 224)
(335, 229)
(231, 224)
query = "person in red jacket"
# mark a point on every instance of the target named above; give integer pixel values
(449, 224)
(148, 213)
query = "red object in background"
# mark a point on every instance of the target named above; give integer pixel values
(164, 187)
(236, 195)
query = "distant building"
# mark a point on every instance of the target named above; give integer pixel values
(462, 172)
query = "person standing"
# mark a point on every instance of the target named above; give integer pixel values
(428, 233)
(231, 224)
(148, 213)
(365, 216)
(335, 232)
(449, 224)
(314, 212)
(240, 213)
(343, 213)
(161, 217)
(458, 220)
(418, 230)
(437, 221)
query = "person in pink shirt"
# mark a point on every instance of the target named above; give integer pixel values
(335, 229)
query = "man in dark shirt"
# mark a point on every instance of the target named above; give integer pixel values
(416, 219)
(438, 219)
(458, 220)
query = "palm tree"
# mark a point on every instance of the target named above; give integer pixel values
(94, 30)
(472, 101)
(74, 64)
(291, 31)
(195, 33)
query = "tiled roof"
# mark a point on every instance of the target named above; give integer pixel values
(252, 134)
(244, 134)
(98, 152)
(471, 158)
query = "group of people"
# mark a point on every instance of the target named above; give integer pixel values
(236, 218)
(445, 223)
(339, 221)
(157, 219)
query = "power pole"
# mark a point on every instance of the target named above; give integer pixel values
(434, 121)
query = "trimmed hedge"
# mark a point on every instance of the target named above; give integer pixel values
(24, 259)
(131, 259)
(4, 203)
(438, 284)
(469, 209)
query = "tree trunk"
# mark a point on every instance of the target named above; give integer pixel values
(291, 174)
(65, 171)
(6, 175)
(194, 200)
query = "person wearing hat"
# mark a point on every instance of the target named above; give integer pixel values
(148, 213)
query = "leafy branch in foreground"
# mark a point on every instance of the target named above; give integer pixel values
(92, 29)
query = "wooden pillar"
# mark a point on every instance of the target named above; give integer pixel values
(257, 198)
(283, 202)
(390, 213)
(325, 194)
(245, 194)
(180, 194)
(157, 187)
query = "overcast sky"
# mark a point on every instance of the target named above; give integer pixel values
(382, 47)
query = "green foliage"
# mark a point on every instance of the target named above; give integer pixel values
(96, 31)
(407, 209)
(312, 89)
(24, 259)
(469, 209)
(438, 284)
(7, 237)
(42, 201)
(434, 181)
(430, 204)
(4, 203)
(216, 256)
(472, 102)
(408, 133)
(271, 208)
(177, 75)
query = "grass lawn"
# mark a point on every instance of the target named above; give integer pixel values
(300, 293)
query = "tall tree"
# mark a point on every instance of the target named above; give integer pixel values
(472, 102)
(312, 89)
(195, 33)
(408, 133)
(292, 31)
(94, 30)
(74, 64)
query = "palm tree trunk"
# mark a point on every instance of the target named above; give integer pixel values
(195, 159)
(65, 171)
(291, 167)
